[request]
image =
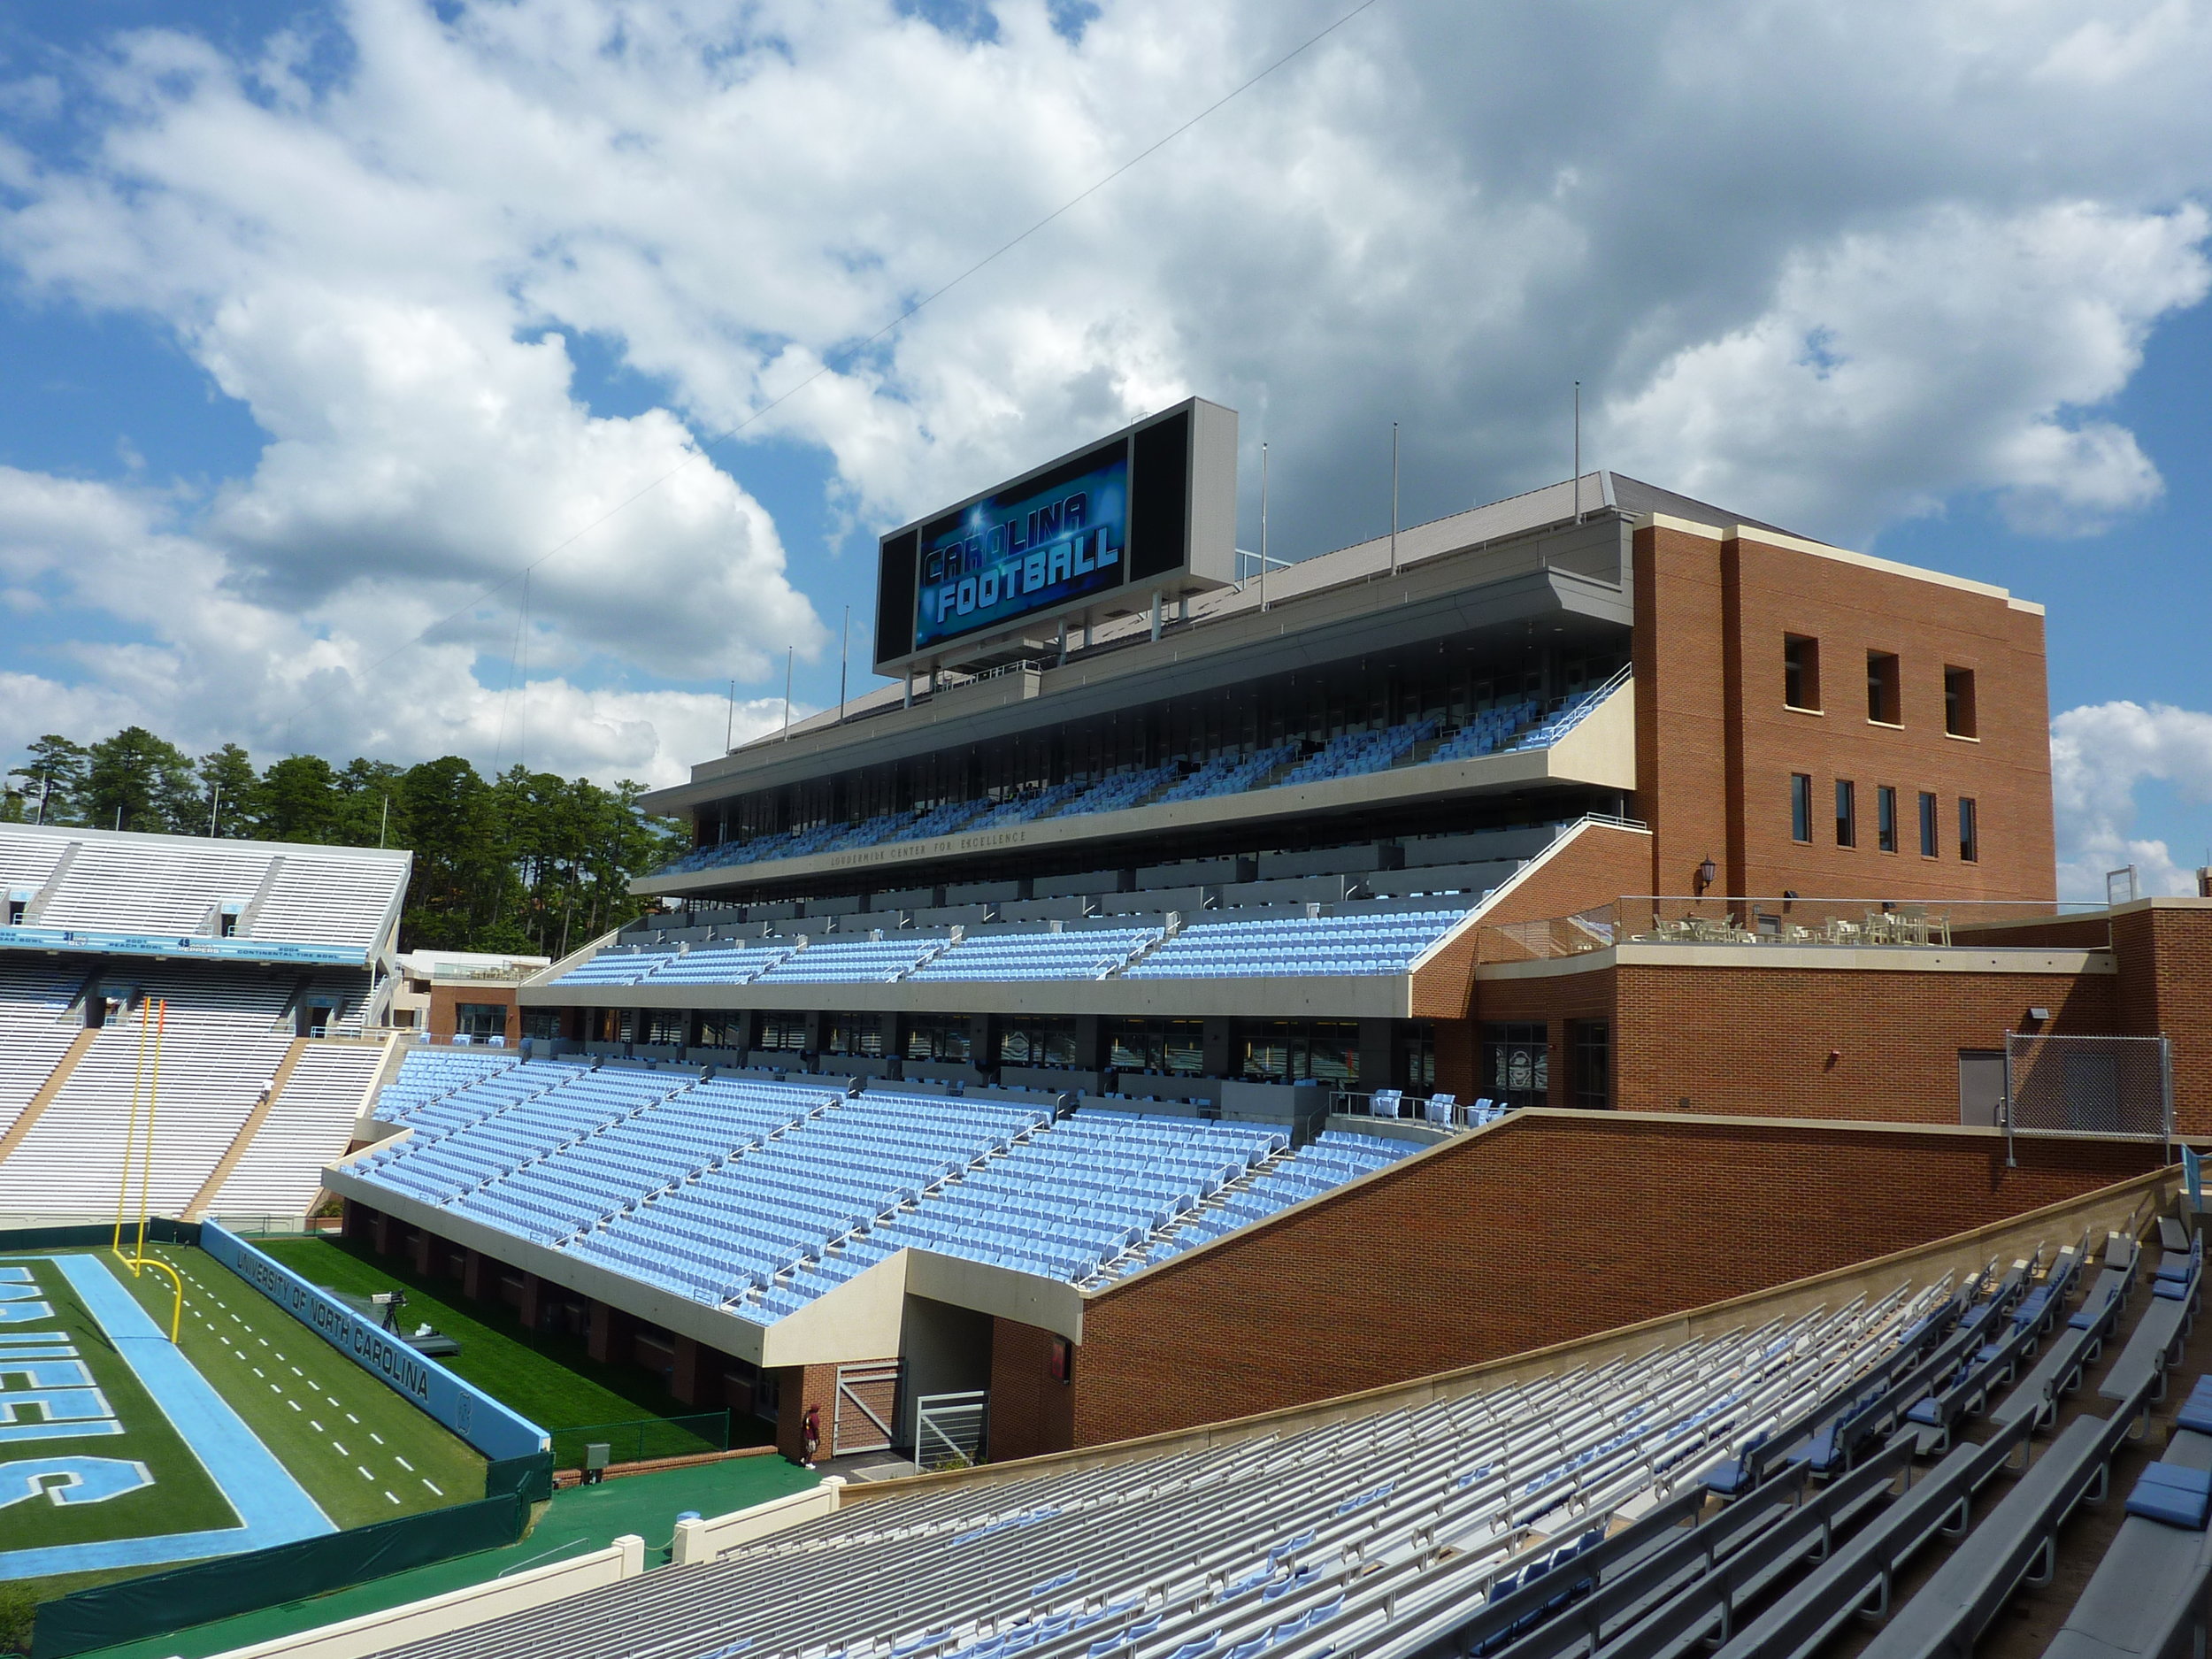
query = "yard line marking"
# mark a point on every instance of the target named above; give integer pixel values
(374, 1435)
(366, 1475)
(395, 1500)
(351, 1418)
(297, 1371)
(293, 1403)
(433, 1485)
(402, 1462)
(260, 1373)
(341, 1450)
(315, 1426)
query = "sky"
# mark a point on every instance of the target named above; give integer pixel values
(322, 322)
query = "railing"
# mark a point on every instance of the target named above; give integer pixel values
(1924, 923)
(1437, 1111)
(642, 1440)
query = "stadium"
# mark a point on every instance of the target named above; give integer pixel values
(1520, 1086)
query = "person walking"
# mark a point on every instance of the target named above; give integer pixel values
(809, 1436)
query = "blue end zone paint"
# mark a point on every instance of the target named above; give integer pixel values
(271, 1503)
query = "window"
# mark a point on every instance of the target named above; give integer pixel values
(1800, 807)
(1590, 1058)
(666, 1027)
(1883, 703)
(1172, 1048)
(1846, 813)
(1969, 831)
(1032, 1041)
(543, 1023)
(470, 1019)
(1885, 818)
(1801, 672)
(948, 1041)
(1927, 825)
(1958, 702)
(784, 1033)
(1416, 1070)
(1294, 1050)
(860, 1034)
(1516, 1063)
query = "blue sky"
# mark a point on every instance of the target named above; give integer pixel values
(317, 321)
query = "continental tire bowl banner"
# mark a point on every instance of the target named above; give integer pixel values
(473, 1415)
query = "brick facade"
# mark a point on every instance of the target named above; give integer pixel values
(1540, 1229)
(1717, 743)
(2163, 949)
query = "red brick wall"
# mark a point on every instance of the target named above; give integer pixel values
(1542, 1230)
(1715, 744)
(2164, 954)
(444, 998)
(1681, 699)
(1757, 1041)
(2007, 769)
(1594, 866)
(1031, 1412)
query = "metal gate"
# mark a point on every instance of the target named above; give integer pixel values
(949, 1428)
(867, 1406)
(2095, 1086)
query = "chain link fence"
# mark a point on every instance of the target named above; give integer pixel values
(2119, 1087)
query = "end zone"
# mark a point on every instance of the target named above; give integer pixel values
(271, 1506)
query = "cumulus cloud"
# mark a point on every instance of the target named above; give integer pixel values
(1833, 269)
(2101, 754)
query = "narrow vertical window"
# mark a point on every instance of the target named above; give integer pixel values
(1969, 831)
(1800, 807)
(1846, 813)
(1927, 825)
(1883, 703)
(1958, 702)
(1801, 672)
(1885, 818)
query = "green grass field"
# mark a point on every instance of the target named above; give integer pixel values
(363, 1452)
(183, 1498)
(550, 1379)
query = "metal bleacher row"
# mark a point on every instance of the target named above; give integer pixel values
(1385, 940)
(223, 1035)
(1507, 724)
(1747, 1494)
(759, 1196)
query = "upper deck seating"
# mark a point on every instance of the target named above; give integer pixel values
(1121, 789)
(1488, 730)
(324, 902)
(1230, 774)
(1384, 943)
(840, 960)
(1077, 953)
(1357, 752)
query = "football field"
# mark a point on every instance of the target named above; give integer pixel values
(121, 1453)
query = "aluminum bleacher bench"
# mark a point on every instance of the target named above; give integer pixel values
(1624, 1587)
(2157, 1338)
(1859, 1574)
(2147, 1599)
(2015, 1544)
(1704, 1611)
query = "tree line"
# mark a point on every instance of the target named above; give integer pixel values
(521, 862)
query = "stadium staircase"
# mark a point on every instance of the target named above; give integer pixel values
(34, 912)
(44, 1096)
(254, 1118)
